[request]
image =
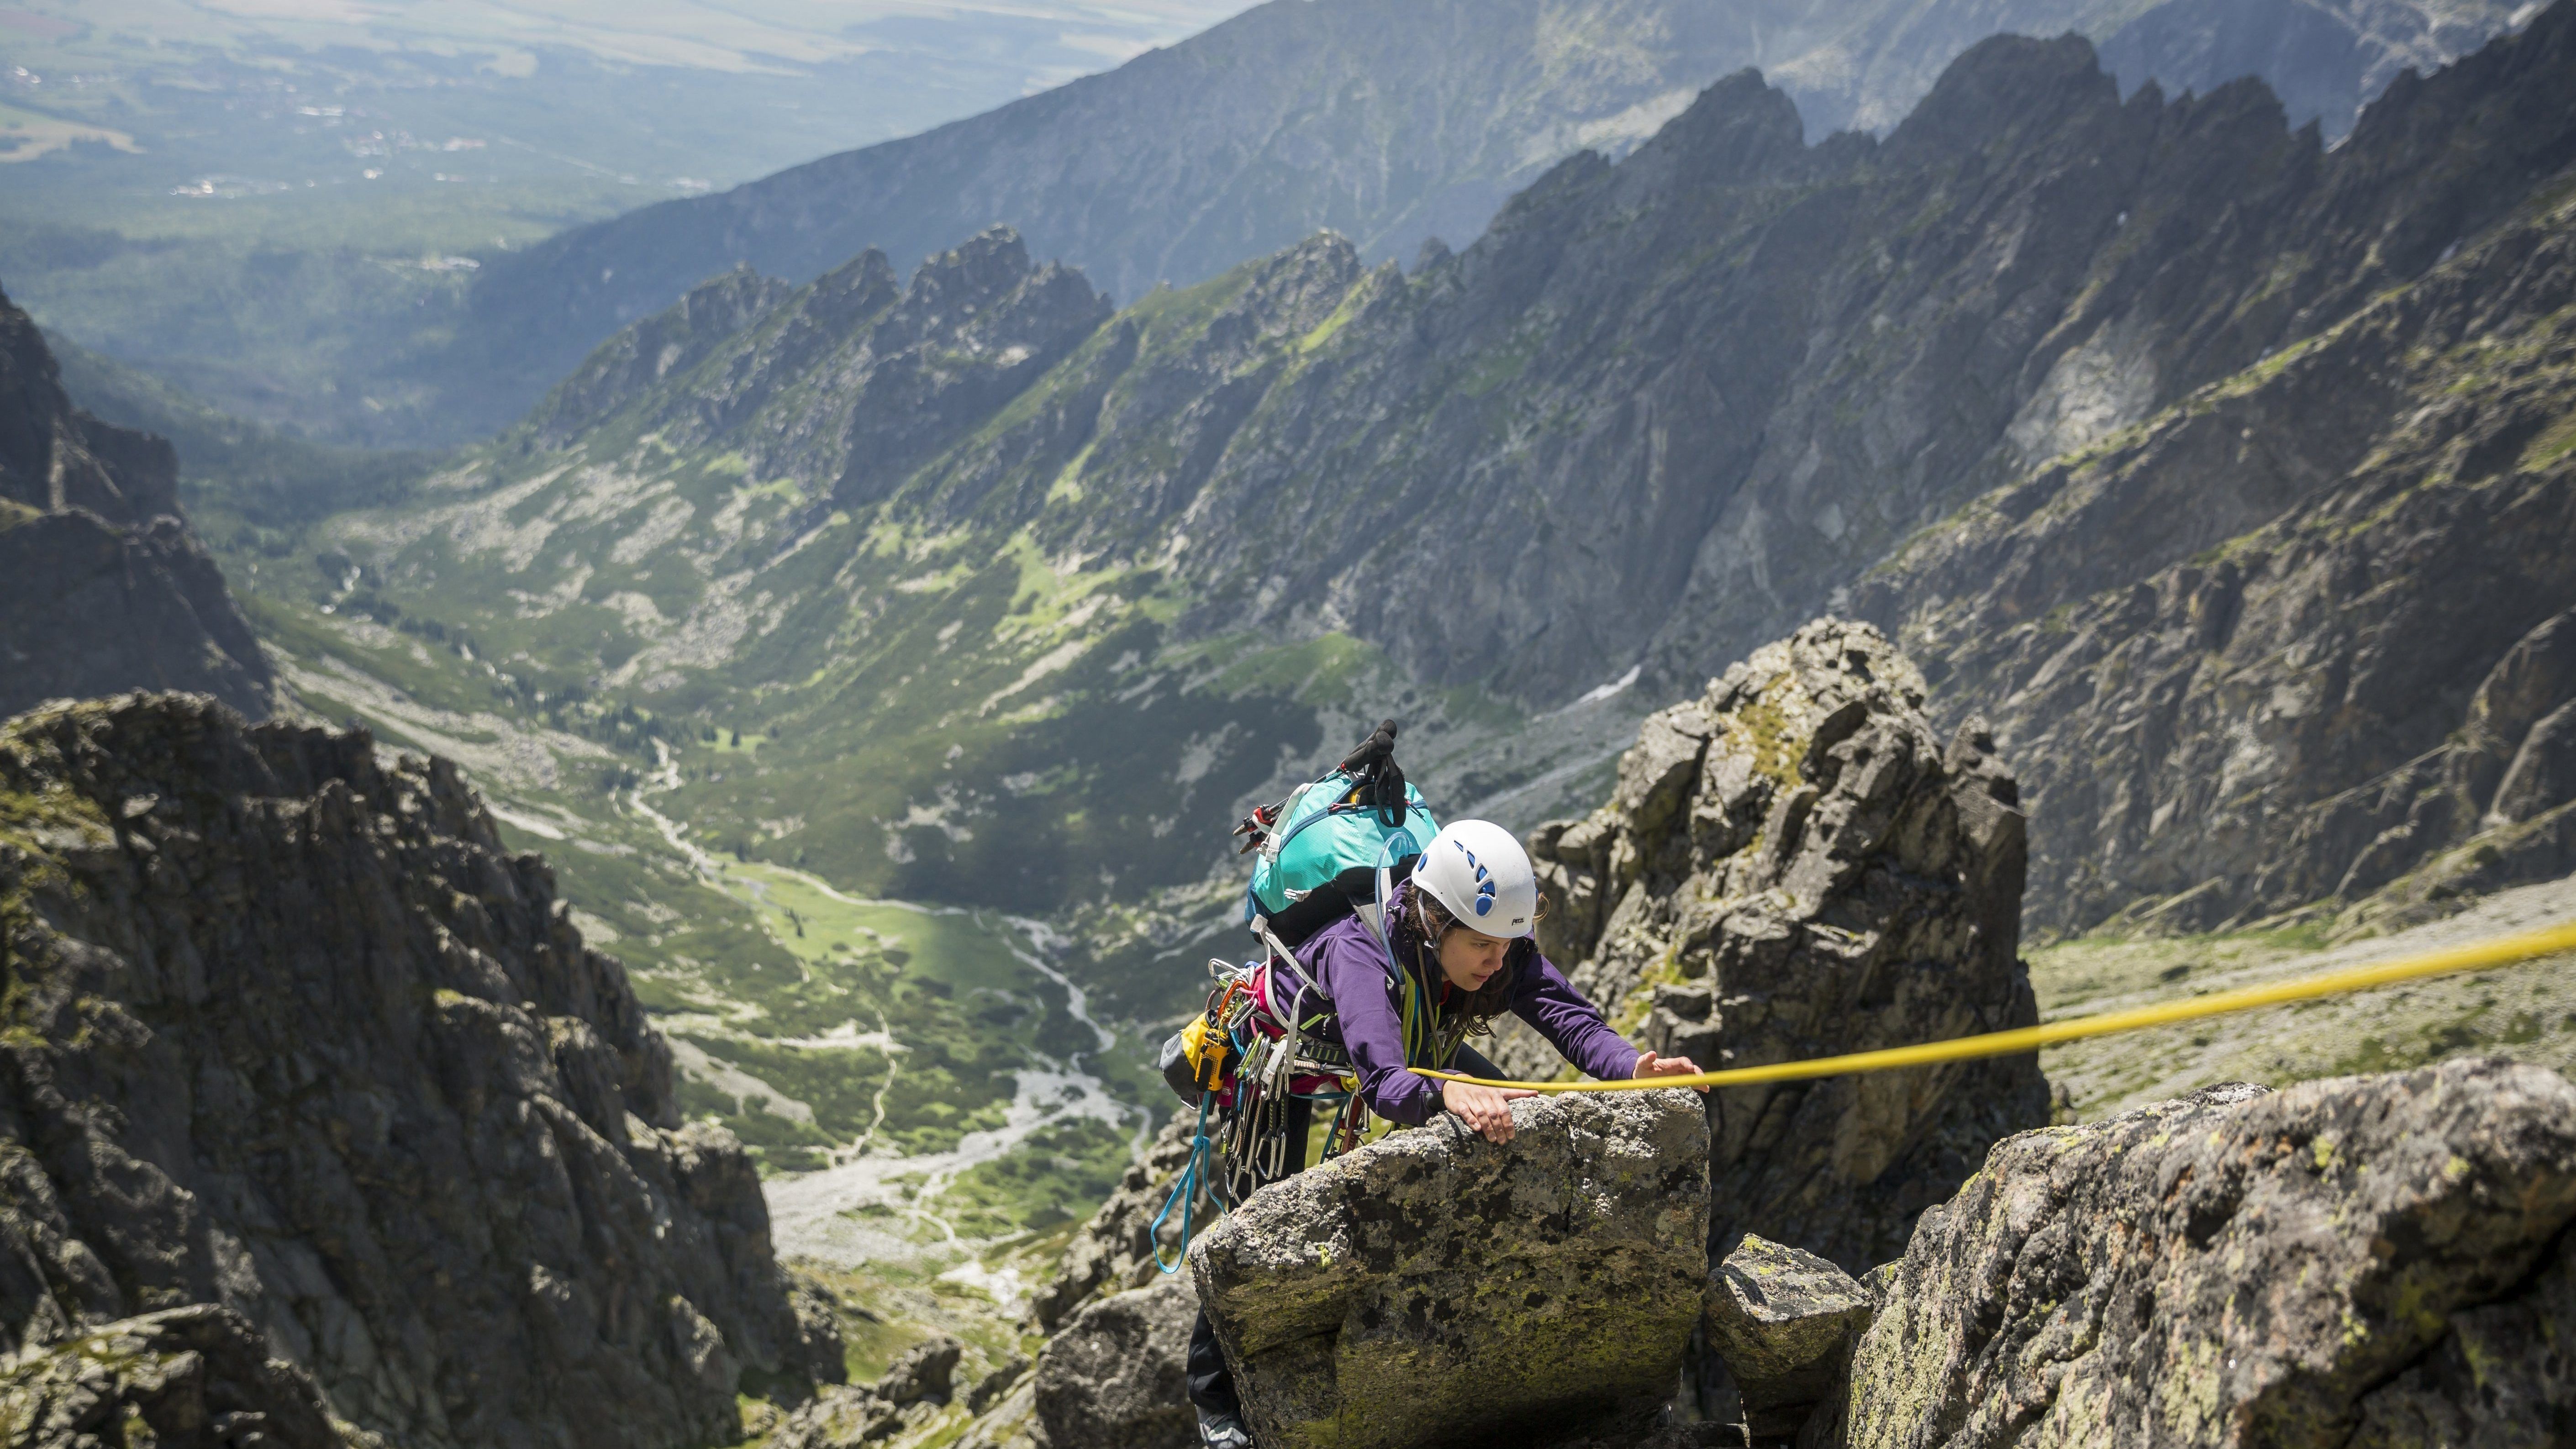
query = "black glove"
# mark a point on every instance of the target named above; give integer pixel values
(1378, 749)
(1378, 781)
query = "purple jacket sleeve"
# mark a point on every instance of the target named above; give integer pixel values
(1546, 1000)
(1347, 965)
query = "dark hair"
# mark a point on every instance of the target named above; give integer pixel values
(1428, 921)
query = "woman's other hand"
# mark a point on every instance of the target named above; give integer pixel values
(1651, 1065)
(1487, 1110)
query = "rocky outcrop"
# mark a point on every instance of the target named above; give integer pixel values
(1436, 1288)
(102, 587)
(845, 1416)
(2325, 58)
(1115, 1377)
(290, 1033)
(2305, 637)
(843, 386)
(183, 1378)
(630, 364)
(1782, 1322)
(2317, 1267)
(1795, 865)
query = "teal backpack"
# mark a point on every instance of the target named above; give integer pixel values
(1362, 816)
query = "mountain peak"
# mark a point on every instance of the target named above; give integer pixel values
(2014, 79)
(981, 270)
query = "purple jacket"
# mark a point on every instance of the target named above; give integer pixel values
(1345, 961)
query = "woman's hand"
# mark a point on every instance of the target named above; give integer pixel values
(1488, 1110)
(1651, 1065)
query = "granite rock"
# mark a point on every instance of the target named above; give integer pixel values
(289, 1032)
(2244, 1268)
(1434, 1287)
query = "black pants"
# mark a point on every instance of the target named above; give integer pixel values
(1211, 1383)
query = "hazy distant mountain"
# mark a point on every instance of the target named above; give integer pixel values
(1388, 124)
(2323, 58)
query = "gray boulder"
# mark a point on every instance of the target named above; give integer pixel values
(1436, 1288)
(1113, 1379)
(184, 1378)
(2316, 1267)
(842, 1416)
(925, 1371)
(1782, 1320)
(1795, 865)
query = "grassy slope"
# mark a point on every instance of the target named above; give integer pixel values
(2526, 1012)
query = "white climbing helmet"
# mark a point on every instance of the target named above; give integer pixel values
(1477, 870)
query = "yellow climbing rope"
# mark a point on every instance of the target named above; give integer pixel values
(2500, 951)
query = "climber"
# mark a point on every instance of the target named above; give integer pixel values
(1458, 937)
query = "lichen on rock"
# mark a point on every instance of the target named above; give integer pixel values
(178, 1379)
(1435, 1288)
(2244, 1268)
(1782, 1320)
(1794, 865)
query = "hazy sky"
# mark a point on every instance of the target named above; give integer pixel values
(736, 35)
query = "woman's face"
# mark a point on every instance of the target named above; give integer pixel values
(1468, 957)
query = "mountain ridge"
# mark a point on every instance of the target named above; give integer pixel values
(1296, 117)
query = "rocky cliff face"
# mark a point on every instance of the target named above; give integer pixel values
(1792, 866)
(291, 1035)
(844, 386)
(2303, 636)
(102, 588)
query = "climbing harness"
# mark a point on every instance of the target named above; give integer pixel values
(2481, 956)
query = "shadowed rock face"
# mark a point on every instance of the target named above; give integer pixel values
(102, 587)
(289, 1032)
(1433, 1288)
(2245, 1268)
(1794, 865)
